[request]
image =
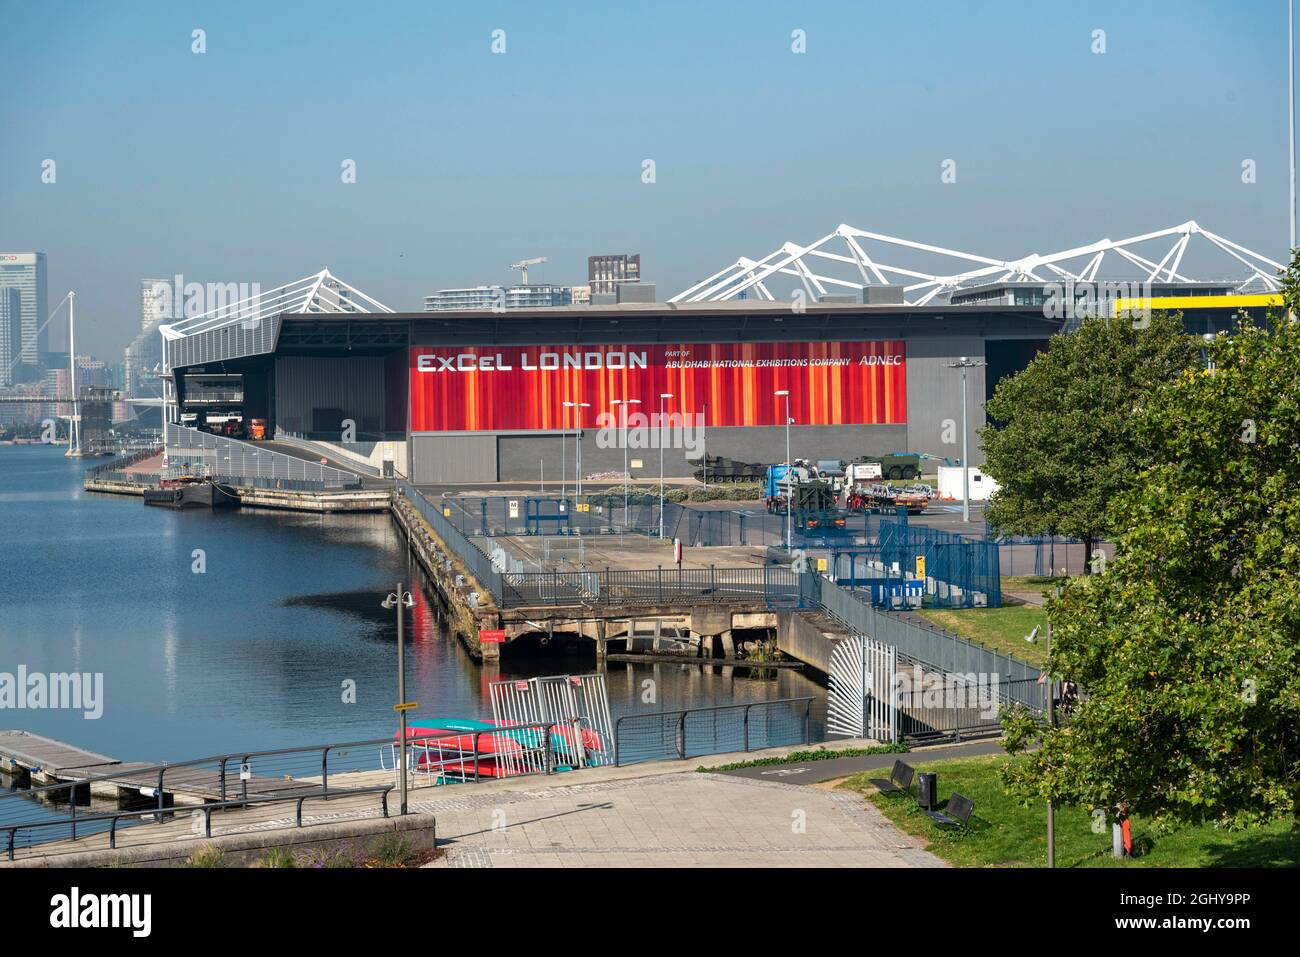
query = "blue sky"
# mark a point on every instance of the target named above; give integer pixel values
(225, 166)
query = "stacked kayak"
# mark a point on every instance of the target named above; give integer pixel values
(439, 748)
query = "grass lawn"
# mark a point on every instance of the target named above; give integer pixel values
(1001, 628)
(1004, 834)
(1032, 583)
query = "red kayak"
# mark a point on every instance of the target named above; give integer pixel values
(441, 735)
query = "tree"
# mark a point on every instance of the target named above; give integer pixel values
(1187, 648)
(1061, 442)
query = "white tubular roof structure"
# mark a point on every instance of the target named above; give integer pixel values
(1080, 264)
(319, 293)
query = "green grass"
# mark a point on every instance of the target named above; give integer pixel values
(798, 757)
(1032, 583)
(1003, 629)
(1004, 834)
(209, 855)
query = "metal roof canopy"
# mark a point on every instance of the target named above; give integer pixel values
(919, 288)
(321, 292)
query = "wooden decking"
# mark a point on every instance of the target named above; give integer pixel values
(56, 762)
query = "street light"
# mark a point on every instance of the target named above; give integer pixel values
(577, 445)
(401, 600)
(789, 478)
(662, 396)
(963, 364)
(627, 476)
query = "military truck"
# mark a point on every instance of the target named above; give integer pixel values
(895, 465)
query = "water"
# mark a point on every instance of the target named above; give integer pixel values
(251, 654)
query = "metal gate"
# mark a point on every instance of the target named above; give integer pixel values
(574, 707)
(860, 700)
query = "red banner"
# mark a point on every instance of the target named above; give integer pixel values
(484, 388)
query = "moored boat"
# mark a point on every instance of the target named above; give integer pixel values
(191, 492)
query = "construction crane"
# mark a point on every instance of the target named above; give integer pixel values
(523, 265)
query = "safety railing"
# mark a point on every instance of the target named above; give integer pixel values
(204, 809)
(120, 463)
(935, 648)
(219, 455)
(961, 708)
(470, 555)
(256, 776)
(760, 584)
(716, 730)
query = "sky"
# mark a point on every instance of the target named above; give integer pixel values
(227, 165)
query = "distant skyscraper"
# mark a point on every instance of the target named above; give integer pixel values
(507, 297)
(155, 300)
(606, 273)
(11, 334)
(26, 273)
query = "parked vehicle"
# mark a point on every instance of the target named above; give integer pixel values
(879, 497)
(895, 465)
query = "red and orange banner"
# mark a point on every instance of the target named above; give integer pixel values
(485, 388)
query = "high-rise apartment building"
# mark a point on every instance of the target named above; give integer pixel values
(26, 273)
(11, 334)
(606, 273)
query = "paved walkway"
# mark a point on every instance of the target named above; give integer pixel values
(671, 820)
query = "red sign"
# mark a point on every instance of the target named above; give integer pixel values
(492, 636)
(727, 384)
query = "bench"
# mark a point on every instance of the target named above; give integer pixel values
(900, 779)
(959, 809)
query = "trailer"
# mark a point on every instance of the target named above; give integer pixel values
(879, 497)
(896, 465)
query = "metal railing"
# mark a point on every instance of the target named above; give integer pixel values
(230, 778)
(765, 584)
(204, 809)
(603, 513)
(977, 716)
(118, 464)
(476, 562)
(717, 730)
(931, 646)
(230, 457)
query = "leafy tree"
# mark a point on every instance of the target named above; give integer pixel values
(1187, 648)
(1061, 442)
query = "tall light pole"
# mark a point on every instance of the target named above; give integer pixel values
(564, 450)
(1290, 103)
(662, 397)
(74, 421)
(704, 441)
(964, 363)
(789, 475)
(401, 600)
(627, 476)
(577, 444)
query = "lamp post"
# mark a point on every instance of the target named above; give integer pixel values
(577, 445)
(789, 477)
(964, 363)
(627, 477)
(1290, 103)
(401, 600)
(662, 397)
(704, 441)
